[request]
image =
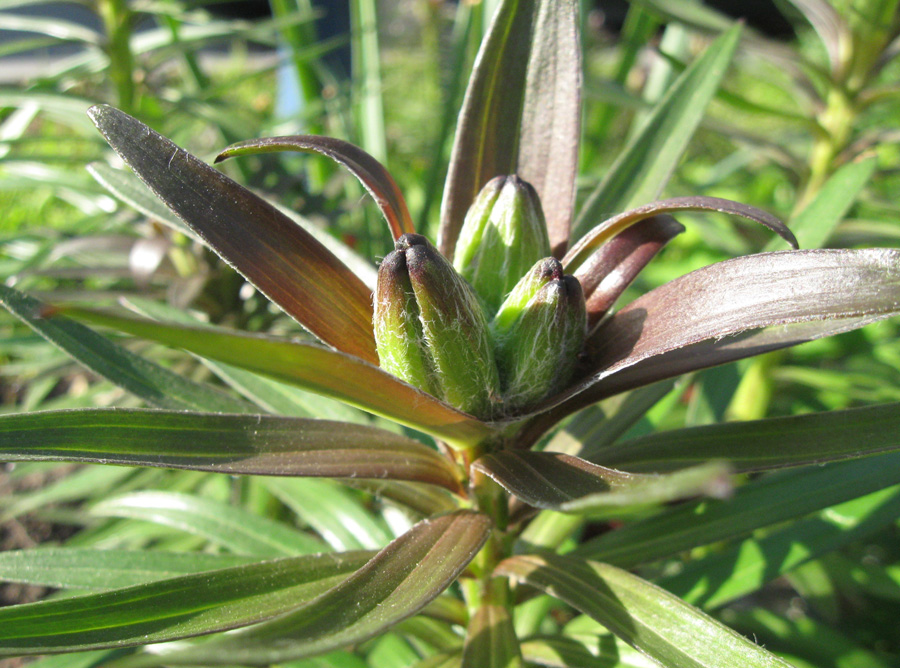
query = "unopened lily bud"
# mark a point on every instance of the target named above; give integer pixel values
(544, 271)
(430, 329)
(504, 233)
(537, 351)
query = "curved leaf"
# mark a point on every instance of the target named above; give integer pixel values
(172, 609)
(491, 640)
(149, 381)
(232, 527)
(608, 229)
(521, 115)
(371, 173)
(394, 585)
(286, 263)
(641, 171)
(645, 616)
(234, 444)
(761, 444)
(314, 368)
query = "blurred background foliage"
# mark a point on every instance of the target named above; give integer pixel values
(805, 126)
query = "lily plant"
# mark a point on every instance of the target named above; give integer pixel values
(495, 347)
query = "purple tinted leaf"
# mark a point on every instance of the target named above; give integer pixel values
(521, 114)
(234, 444)
(278, 257)
(608, 229)
(613, 266)
(371, 173)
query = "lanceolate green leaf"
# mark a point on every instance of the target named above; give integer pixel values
(315, 368)
(235, 444)
(394, 585)
(491, 640)
(641, 171)
(776, 498)
(521, 114)
(645, 616)
(282, 260)
(152, 383)
(371, 173)
(171, 609)
(762, 444)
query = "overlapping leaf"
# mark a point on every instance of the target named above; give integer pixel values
(282, 260)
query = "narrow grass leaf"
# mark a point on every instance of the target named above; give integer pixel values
(643, 168)
(233, 444)
(645, 616)
(232, 527)
(814, 438)
(491, 640)
(171, 609)
(398, 582)
(82, 568)
(371, 174)
(286, 263)
(151, 382)
(776, 498)
(314, 368)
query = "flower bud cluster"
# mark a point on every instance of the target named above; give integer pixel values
(478, 336)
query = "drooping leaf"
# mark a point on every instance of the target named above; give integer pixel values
(642, 169)
(645, 616)
(82, 568)
(234, 444)
(277, 256)
(771, 443)
(775, 498)
(149, 381)
(171, 609)
(312, 367)
(521, 114)
(371, 173)
(557, 481)
(394, 585)
(232, 527)
(491, 640)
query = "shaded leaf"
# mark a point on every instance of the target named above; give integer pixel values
(645, 616)
(521, 114)
(286, 263)
(230, 526)
(371, 174)
(312, 367)
(234, 444)
(171, 609)
(585, 652)
(150, 382)
(642, 169)
(394, 585)
(491, 640)
(761, 444)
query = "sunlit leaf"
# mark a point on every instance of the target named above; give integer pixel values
(277, 256)
(646, 617)
(491, 640)
(171, 609)
(371, 173)
(394, 585)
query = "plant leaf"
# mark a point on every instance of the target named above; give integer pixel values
(607, 230)
(643, 168)
(152, 383)
(371, 174)
(232, 527)
(645, 616)
(234, 444)
(491, 640)
(565, 652)
(521, 115)
(775, 498)
(290, 267)
(312, 367)
(171, 609)
(394, 585)
(814, 438)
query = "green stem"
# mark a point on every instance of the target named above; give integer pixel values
(118, 21)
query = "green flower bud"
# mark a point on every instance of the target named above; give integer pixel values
(430, 329)
(539, 332)
(504, 234)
